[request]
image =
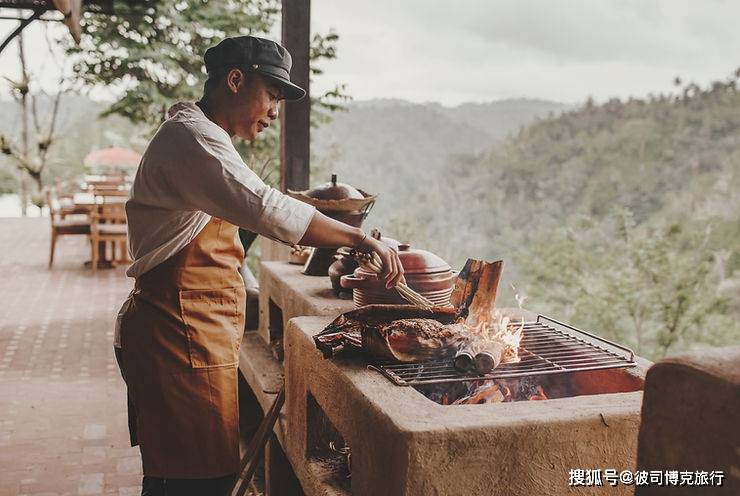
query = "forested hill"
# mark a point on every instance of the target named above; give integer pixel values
(622, 217)
(670, 157)
(393, 147)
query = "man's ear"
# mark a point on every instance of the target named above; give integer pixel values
(234, 80)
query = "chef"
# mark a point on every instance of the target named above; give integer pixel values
(178, 333)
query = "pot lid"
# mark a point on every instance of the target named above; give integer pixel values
(417, 261)
(334, 190)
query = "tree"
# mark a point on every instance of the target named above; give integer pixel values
(30, 160)
(153, 52)
(653, 288)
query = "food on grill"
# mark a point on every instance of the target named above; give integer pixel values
(349, 329)
(481, 356)
(464, 360)
(489, 344)
(413, 339)
(489, 358)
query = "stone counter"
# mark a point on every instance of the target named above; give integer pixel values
(404, 444)
(286, 293)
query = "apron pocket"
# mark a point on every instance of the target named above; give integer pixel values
(211, 317)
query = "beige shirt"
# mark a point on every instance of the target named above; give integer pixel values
(189, 172)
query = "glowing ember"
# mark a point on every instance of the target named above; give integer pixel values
(495, 391)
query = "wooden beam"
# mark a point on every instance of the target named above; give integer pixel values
(21, 26)
(295, 117)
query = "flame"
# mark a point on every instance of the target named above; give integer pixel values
(497, 329)
(489, 392)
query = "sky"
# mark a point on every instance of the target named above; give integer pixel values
(484, 50)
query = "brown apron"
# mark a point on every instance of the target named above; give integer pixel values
(180, 342)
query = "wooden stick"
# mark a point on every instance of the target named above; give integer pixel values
(256, 445)
(373, 263)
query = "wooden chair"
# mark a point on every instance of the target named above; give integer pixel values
(107, 182)
(65, 200)
(108, 224)
(110, 195)
(61, 226)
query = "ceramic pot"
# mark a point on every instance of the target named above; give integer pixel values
(425, 273)
(343, 265)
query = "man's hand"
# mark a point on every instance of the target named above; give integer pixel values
(392, 268)
(326, 232)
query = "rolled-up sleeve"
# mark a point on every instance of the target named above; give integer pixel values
(209, 175)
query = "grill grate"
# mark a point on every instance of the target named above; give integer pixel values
(547, 347)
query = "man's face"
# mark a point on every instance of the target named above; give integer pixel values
(255, 104)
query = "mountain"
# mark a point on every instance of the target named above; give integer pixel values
(621, 217)
(502, 118)
(370, 140)
(396, 148)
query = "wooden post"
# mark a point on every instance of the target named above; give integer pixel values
(295, 117)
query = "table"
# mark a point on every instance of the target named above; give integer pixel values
(88, 200)
(96, 180)
(85, 202)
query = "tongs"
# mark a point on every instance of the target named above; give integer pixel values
(372, 263)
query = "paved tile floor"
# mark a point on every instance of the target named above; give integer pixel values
(63, 427)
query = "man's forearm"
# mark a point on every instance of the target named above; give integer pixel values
(324, 231)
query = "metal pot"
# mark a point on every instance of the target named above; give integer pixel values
(341, 202)
(425, 273)
(334, 190)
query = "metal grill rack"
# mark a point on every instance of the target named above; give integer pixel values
(547, 347)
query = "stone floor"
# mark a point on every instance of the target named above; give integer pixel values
(63, 427)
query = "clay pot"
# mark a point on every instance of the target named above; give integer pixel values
(425, 273)
(342, 266)
(336, 198)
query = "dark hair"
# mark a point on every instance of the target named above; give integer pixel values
(216, 77)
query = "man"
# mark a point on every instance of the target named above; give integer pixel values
(178, 333)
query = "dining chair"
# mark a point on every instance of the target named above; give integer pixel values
(65, 201)
(62, 226)
(108, 224)
(110, 195)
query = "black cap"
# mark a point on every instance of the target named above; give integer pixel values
(264, 56)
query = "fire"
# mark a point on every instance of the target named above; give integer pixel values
(493, 341)
(488, 393)
(499, 391)
(540, 394)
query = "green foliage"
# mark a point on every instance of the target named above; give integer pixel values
(8, 182)
(623, 218)
(653, 288)
(154, 54)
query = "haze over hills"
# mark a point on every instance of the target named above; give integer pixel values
(363, 144)
(391, 147)
(620, 217)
